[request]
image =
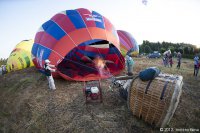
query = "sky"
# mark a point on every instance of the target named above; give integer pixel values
(173, 21)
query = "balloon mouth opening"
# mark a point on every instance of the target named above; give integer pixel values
(82, 62)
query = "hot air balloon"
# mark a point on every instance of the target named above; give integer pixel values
(73, 40)
(20, 57)
(128, 44)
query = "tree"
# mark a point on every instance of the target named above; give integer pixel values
(147, 49)
(162, 50)
(181, 51)
(184, 48)
(172, 49)
(186, 51)
(141, 49)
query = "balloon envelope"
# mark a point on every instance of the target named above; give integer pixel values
(73, 39)
(128, 44)
(20, 57)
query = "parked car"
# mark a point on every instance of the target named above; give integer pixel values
(154, 55)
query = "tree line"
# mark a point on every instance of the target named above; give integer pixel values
(3, 61)
(187, 50)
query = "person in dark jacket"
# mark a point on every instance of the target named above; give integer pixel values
(170, 60)
(196, 65)
(179, 57)
(48, 69)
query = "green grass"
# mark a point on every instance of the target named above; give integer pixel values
(186, 66)
(21, 84)
(4, 114)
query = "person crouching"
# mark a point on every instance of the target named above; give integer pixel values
(48, 69)
(129, 64)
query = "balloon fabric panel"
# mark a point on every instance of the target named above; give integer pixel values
(73, 39)
(20, 57)
(128, 44)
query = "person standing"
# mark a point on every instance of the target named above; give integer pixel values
(48, 69)
(179, 56)
(129, 64)
(1, 70)
(170, 60)
(4, 71)
(196, 65)
(165, 60)
(166, 55)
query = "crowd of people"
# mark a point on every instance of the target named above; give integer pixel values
(168, 59)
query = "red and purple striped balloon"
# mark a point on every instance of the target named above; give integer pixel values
(128, 44)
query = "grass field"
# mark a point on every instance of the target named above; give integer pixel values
(27, 106)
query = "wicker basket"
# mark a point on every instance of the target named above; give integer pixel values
(155, 101)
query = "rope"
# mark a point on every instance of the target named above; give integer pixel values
(164, 89)
(148, 85)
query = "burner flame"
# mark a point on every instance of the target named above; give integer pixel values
(99, 63)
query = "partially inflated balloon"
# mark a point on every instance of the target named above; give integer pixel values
(128, 44)
(73, 39)
(20, 57)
